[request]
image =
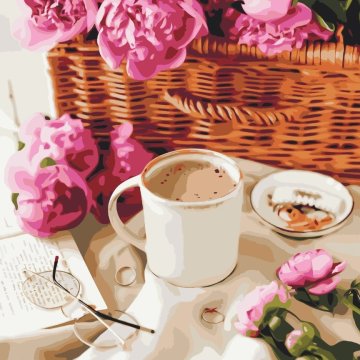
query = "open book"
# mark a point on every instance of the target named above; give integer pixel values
(17, 314)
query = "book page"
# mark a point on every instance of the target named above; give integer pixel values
(17, 313)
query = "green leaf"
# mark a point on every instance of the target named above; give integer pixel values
(346, 3)
(303, 296)
(325, 24)
(336, 7)
(237, 5)
(21, 145)
(14, 197)
(274, 345)
(325, 302)
(294, 2)
(355, 285)
(309, 3)
(345, 350)
(47, 162)
(329, 301)
(356, 318)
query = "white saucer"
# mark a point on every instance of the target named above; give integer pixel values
(313, 181)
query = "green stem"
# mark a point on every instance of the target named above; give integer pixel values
(294, 315)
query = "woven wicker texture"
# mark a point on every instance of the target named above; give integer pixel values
(298, 110)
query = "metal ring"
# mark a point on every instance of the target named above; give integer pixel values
(208, 314)
(132, 278)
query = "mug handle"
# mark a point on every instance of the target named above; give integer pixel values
(115, 220)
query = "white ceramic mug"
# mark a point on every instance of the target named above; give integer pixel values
(189, 244)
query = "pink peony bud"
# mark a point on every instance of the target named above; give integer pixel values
(314, 269)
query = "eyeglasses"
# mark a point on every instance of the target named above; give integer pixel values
(88, 328)
(91, 309)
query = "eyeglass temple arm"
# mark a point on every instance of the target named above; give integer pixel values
(98, 313)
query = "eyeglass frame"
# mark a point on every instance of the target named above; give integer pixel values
(91, 309)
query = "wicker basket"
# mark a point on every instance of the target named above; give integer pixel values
(298, 110)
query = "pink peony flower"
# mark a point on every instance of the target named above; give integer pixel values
(19, 165)
(266, 10)
(256, 304)
(47, 22)
(152, 36)
(314, 269)
(275, 36)
(54, 198)
(126, 158)
(64, 140)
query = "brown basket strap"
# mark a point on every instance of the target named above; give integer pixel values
(200, 108)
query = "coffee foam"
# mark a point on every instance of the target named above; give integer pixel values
(191, 181)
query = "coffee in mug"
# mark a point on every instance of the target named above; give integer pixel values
(192, 202)
(191, 181)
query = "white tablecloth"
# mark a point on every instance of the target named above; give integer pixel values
(175, 312)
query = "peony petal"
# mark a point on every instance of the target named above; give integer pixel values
(91, 12)
(122, 132)
(195, 26)
(297, 16)
(291, 277)
(109, 52)
(31, 128)
(293, 337)
(321, 264)
(324, 287)
(266, 10)
(338, 268)
(33, 38)
(79, 27)
(61, 201)
(104, 8)
(130, 34)
(316, 31)
(156, 62)
(173, 59)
